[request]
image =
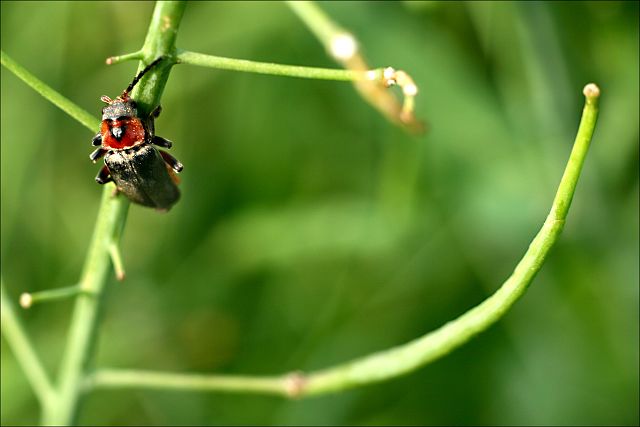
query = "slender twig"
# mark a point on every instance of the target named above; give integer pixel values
(63, 103)
(26, 356)
(408, 357)
(193, 58)
(116, 259)
(125, 378)
(121, 58)
(244, 65)
(28, 299)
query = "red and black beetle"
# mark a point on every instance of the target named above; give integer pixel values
(140, 171)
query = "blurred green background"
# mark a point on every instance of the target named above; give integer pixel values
(311, 231)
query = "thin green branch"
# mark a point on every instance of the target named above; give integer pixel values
(116, 259)
(193, 58)
(125, 378)
(26, 356)
(28, 299)
(408, 357)
(60, 101)
(137, 56)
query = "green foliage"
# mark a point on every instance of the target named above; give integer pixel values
(311, 231)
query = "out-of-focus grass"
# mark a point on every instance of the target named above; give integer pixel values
(312, 231)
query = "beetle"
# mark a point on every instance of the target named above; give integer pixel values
(127, 141)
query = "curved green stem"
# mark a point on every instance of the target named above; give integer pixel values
(26, 356)
(403, 359)
(408, 357)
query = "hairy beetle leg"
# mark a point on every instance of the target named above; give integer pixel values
(161, 142)
(97, 153)
(103, 176)
(171, 161)
(97, 140)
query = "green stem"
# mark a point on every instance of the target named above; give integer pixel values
(318, 22)
(111, 219)
(26, 356)
(408, 357)
(60, 101)
(160, 41)
(123, 378)
(193, 58)
(28, 299)
(121, 58)
(83, 328)
(116, 259)
(405, 358)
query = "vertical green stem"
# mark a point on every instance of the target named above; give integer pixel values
(161, 40)
(111, 219)
(83, 329)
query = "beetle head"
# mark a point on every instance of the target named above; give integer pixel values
(122, 106)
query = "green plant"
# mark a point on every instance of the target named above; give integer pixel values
(60, 403)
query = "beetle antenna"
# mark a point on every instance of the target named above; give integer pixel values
(139, 76)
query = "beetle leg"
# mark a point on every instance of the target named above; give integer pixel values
(156, 111)
(97, 153)
(97, 140)
(103, 176)
(161, 142)
(171, 161)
